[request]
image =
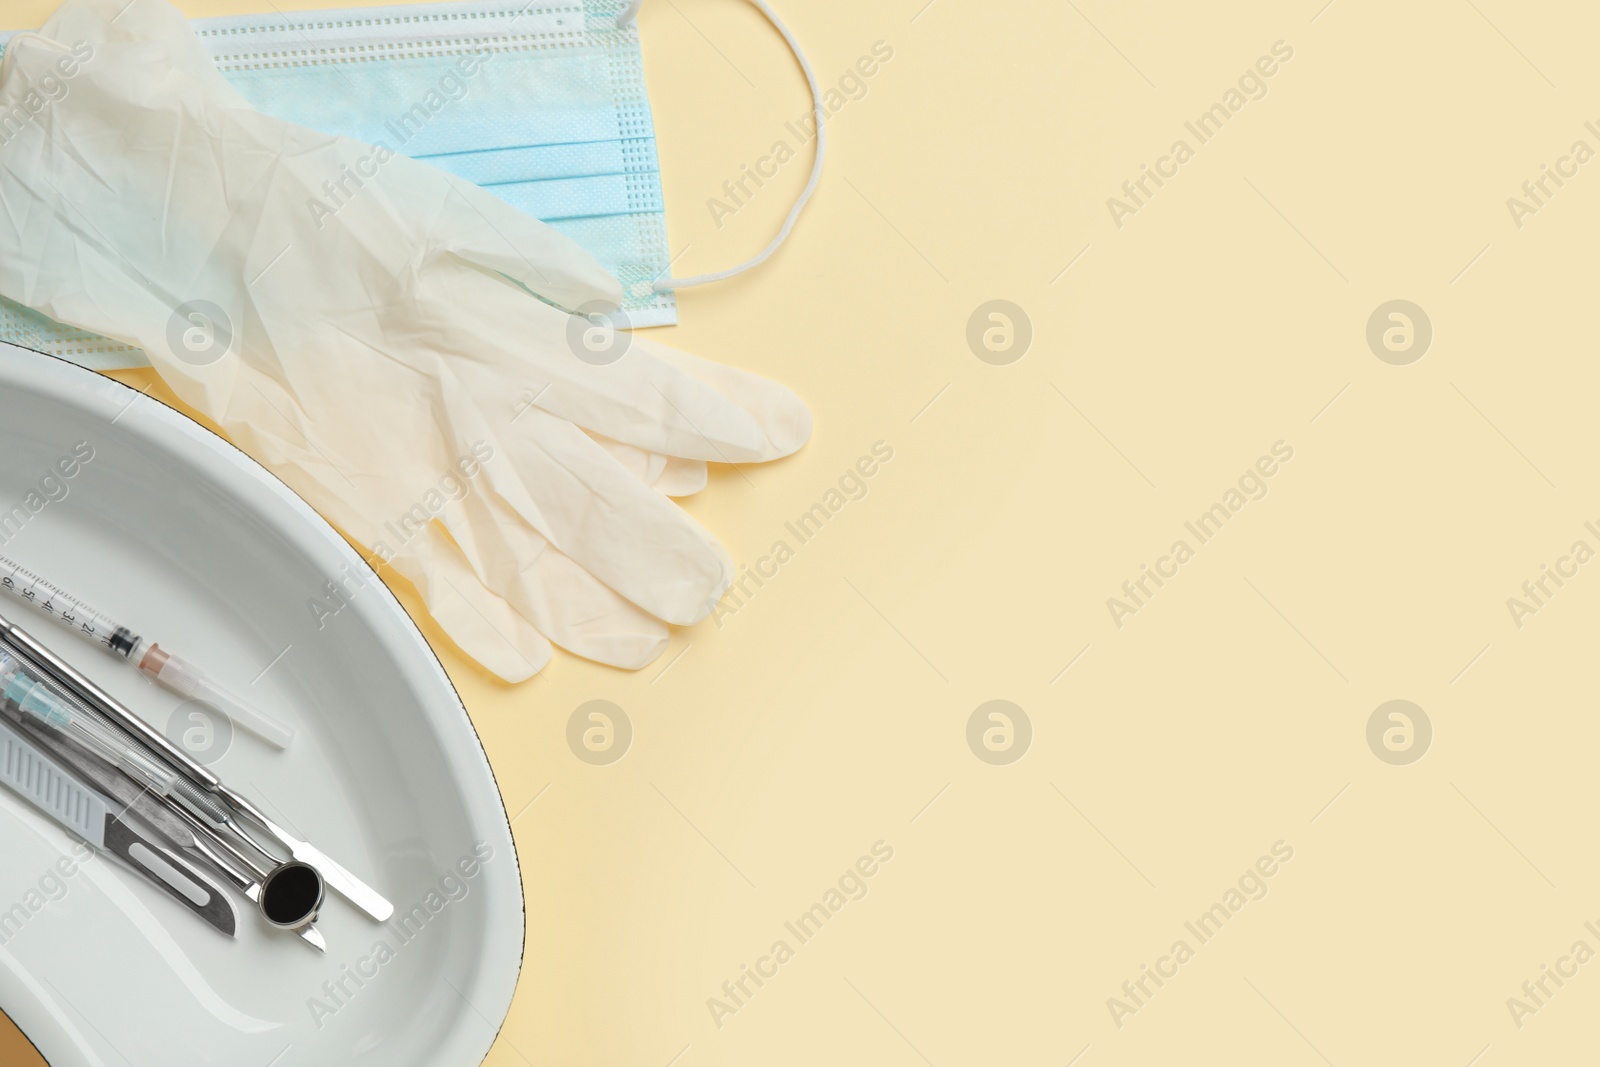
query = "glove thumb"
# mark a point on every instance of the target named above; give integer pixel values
(486, 628)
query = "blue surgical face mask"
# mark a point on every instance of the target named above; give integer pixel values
(541, 102)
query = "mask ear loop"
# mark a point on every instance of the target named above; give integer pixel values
(630, 13)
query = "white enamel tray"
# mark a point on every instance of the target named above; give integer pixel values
(186, 539)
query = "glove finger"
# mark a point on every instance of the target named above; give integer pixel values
(481, 623)
(555, 479)
(667, 475)
(504, 345)
(783, 417)
(480, 228)
(563, 601)
(583, 616)
(681, 477)
(645, 466)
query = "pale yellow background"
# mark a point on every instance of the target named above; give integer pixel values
(1230, 713)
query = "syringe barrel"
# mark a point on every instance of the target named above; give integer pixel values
(49, 600)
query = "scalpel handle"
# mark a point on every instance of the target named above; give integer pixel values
(180, 880)
(40, 780)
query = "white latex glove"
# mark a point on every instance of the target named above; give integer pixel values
(375, 352)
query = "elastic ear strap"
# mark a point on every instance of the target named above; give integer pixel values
(666, 285)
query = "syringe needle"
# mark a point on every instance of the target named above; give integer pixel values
(187, 680)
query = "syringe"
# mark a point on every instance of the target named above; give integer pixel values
(178, 675)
